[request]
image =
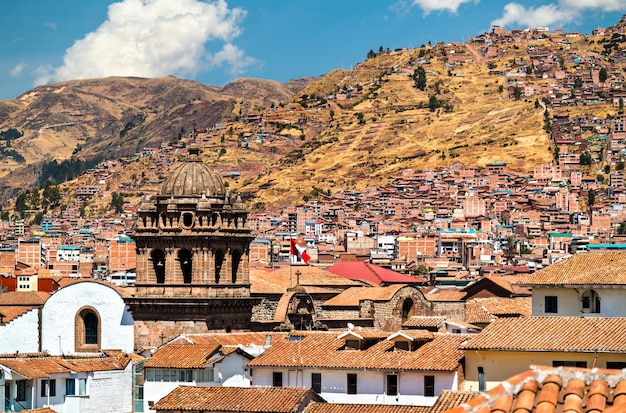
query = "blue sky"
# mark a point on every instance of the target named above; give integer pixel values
(216, 41)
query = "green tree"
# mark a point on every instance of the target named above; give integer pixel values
(434, 103)
(529, 70)
(117, 202)
(517, 93)
(21, 203)
(620, 166)
(38, 218)
(419, 77)
(603, 75)
(578, 83)
(607, 169)
(591, 199)
(585, 158)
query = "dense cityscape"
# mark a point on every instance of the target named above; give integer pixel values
(155, 283)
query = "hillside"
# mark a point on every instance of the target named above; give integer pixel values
(349, 129)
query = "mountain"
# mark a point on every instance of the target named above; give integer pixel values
(116, 116)
(279, 143)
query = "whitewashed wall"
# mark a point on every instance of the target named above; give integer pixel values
(502, 365)
(371, 385)
(60, 311)
(612, 302)
(21, 334)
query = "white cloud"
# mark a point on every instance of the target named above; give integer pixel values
(18, 69)
(151, 38)
(602, 5)
(550, 14)
(554, 14)
(430, 6)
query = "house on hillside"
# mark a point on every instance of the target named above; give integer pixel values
(365, 366)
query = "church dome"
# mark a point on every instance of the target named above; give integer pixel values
(193, 178)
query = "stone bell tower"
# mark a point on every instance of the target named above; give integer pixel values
(192, 258)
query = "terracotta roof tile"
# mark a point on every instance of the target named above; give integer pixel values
(424, 322)
(182, 356)
(231, 339)
(234, 399)
(10, 313)
(444, 294)
(352, 296)
(355, 270)
(325, 349)
(484, 310)
(552, 390)
(277, 281)
(552, 334)
(25, 298)
(451, 398)
(586, 268)
(360, 408)
(38, 367)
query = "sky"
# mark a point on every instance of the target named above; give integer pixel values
(217, 41)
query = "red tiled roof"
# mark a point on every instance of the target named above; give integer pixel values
(444, 293)
(235, 399)
(354, 270)
(10, 313)
(326, 350)
(551, 390)
(449, 399)
(360, 408)
(484, 310)
(277, 281)
(182, 356)
(24, 298)
(231, 339)
(587, 334)
(424, 322)
(585, 268)
(352, 296)
(41, 367)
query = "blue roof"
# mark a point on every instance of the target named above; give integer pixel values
(606, 246)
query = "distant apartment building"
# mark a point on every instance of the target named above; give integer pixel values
(122, 255)
(31, 252)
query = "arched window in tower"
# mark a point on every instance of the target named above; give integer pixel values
(185, 259)
(407, 309)
(87, 330)
(219, 260)
(236, 258)
(158, 263)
